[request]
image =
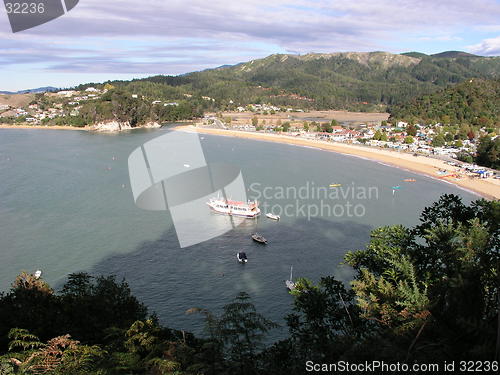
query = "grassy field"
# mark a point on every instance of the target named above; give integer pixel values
(242, 118)
(16, 100)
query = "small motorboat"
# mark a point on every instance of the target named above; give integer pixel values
(242, 257)
(290, 285)
(409, 180)
(258, 238)
(335, 185)
(272, 216)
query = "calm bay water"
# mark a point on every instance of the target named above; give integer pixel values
(66, 206)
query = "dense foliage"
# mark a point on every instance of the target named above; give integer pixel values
(124, 106)
(84, 308)
(474, 102)
(488, 152)
(426, 294)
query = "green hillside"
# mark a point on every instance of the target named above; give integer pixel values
(414, 54)
(473, 102)
(453, 54)
(350, 80)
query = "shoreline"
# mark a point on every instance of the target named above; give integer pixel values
(88, 128)
(54, 127)
(486, 188)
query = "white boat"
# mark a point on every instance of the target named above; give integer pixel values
(248, 209)
(290, 285)
(272, 216)
(242, 257)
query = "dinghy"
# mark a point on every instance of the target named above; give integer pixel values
(258, 238)
(242, 257)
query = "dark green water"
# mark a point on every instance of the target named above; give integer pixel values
(66, 206)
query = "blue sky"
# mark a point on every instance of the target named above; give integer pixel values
(123, 39)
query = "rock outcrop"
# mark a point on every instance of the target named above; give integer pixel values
(116, 126)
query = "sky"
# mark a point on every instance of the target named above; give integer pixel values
(103, 40)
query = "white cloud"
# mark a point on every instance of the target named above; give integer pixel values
(177, 36)
(440, 38)
(489, 28)
(284, 22)
(488, 47)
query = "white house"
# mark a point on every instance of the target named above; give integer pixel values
(66, 93)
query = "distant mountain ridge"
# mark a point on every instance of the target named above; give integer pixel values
(364, 81)
(31, 91)
(454, 54)
(446, 54)
(340, 80)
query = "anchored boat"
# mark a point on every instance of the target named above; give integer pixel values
(272, 216)
(242, 257)
(258, 238)
(290, 285)
(248, 209)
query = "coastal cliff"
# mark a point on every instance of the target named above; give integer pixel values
(116, 126)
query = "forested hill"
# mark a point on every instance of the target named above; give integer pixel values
(351, 80)
(474, 102)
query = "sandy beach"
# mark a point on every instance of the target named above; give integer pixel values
(487, 188)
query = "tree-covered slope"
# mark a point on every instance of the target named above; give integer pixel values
(473, 102)
(325, 81)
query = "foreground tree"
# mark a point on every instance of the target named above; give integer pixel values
(436, 283)
(325, 323)
(242, 331)
(488, 152)
(237, 335)
(61, 355)
(85, 308)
